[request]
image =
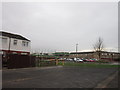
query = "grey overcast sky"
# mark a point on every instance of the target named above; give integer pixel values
(59, 26)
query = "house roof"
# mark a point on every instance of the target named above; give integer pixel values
(11, 35)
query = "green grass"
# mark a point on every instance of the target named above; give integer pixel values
(90, 65)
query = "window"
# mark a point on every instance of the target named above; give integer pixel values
(4, 40)
(102, 53)
(106, 54)
(24, 43)
(15, 42)
(27, 44)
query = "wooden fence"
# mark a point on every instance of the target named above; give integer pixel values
(44, 62)
(24, 61)
(20, 61)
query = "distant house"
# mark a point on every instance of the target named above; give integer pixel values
(14, 43)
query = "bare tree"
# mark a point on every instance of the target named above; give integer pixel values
(98, 47)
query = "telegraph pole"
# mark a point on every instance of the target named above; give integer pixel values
(76, 49)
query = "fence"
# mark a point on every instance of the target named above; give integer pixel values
(20, 61)
(23, 61)
(44, 62)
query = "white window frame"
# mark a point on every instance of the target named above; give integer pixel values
(15, 42)
(25, 43)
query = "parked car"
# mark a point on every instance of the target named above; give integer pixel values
(90, 60)
(94, 59)
(79, 60)
(69, 59)
(85, 60)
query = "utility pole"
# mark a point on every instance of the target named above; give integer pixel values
(76, 48)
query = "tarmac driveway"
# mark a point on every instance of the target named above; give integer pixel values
(55, 77)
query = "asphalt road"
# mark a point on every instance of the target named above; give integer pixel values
(114, 83)
(56, 77)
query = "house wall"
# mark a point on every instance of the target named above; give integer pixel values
(18, 47)
(110, 55)
(82, 55)
(4, 43)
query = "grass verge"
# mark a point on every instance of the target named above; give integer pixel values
(89, 65)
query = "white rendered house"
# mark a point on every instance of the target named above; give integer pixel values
(14, 43)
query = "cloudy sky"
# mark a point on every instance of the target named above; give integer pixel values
(59, 26)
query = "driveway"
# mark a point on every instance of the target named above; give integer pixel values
(56, 77)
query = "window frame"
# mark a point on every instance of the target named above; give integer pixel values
(15, 42)
(25, 43)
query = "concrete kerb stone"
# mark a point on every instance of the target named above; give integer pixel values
(49, 67)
